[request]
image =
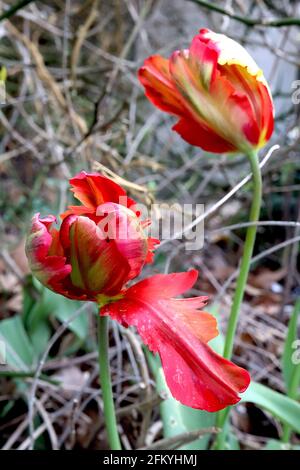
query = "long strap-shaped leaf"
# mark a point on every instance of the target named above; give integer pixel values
(280, 406)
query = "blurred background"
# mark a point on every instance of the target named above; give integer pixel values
(71, 101)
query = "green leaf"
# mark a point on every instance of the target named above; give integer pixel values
(50, 303)
(40, 336)
(177, 418)
(64, 309)
(274, 444)
(288, 368)
(19, 351)
(280, 406)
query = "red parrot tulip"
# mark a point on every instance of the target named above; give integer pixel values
(216, 90)
(99, 248)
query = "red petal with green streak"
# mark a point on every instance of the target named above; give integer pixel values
(250, 93)
(174, 328)
(155, 77)
(124, 229)
(203, 60)
(97, 264)
(44, 253)
(216, 105)
(162, 92)
(259, 97)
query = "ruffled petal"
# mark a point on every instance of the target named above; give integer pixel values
(93, 189)
(45, 254)
(195, 374)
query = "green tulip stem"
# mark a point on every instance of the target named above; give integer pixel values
(242, 277)
(247, 255)
(105, 381)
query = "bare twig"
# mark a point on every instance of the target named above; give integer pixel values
(181, 439)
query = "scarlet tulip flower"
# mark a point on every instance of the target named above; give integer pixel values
(99, 247)
(88, 259)
(216, 90)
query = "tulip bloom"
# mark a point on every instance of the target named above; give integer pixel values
(99, 248)
(216, 90)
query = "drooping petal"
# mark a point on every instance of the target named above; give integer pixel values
(196, 375)
(45, 254)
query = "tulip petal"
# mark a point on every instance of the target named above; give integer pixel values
(44, 253)
(152, 243)
(97, 264)
(203, 58)
(155, 77)
(221, 108)
(195, 374)
(259, 96)
(236, 64)
(196, 133)
(93, 189)
(126, 231)
(230, 52)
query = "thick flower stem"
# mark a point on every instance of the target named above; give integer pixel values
(105, 381)
(243, 275)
